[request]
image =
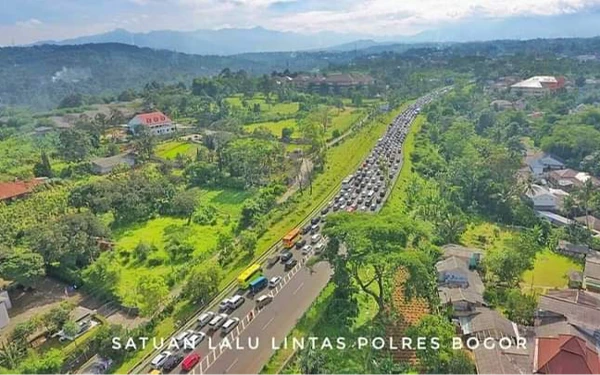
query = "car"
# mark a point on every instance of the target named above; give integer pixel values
(274, 281)
(382, 193)
(373, 206)
(300, 244)
(190, 361)
(172, 362)
(182, 336)
(319, 248)
(160, 359)
(284, 257)
(236, 301)
(224, 305)
(315, 228)
(193, 341)
(290, 264)
(306, 249)
(315, 238)
(351, 209)
(335, 207)
(217, 321)
(229, 325)
(263, 300)
(305, 229)
(205, 318)
(271, 261)
(325, 210)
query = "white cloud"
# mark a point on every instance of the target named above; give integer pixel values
(32, 22)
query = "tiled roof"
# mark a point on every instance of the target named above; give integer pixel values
(488, 323)
(565, 354)
(16, 189)
(578, 312)
(592, 267)
(153, 118)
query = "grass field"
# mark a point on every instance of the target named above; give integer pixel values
(170, 150)
(343, 120)
(155, 231)
(550, 270)
(276, 108)
(275, 127)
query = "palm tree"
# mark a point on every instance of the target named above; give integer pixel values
(10, 354)
(585, 194)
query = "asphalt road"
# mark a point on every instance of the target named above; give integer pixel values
(299, 288)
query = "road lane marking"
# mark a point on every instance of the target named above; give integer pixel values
(266, 325)
(298, 288)
(231, 365)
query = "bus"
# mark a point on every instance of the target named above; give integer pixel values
(258, 284)
(290, 239)
(249, 274)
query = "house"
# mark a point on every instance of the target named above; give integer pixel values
(453, 272)
(540, 163)
(488, 323)
(503, 361)
(469, 254)
(577, 251)
(18, 189)
(106, 165)
(157, 122)
(554, 219)
(565, 354)
(501, 105)
(569, 311)
(538, 85)
(591, 274)
(568, 179)
(463, 301)
(591, 221)
(547, 199)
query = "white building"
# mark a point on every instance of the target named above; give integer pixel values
(157, 122)
(547, 199)
(538, 85)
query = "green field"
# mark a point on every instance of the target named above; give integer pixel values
(170, 150)
(550, 270)
(275, 127)
(275, 108)
(155, 231)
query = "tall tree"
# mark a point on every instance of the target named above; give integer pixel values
(203, 283)
(43, 167)
(21, 265)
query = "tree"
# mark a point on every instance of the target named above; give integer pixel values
(54, 319)
(520, 308)
(11, 354)
(580, 81)
(179, 248)
(286, 134)
(184, 204)
(203, 283)
(225, 247)
(102, 277)
(248, 240)
(144, 143)
(49, 363)
(74, 145)
(70, 328)
(151, 290)
(312, 361)
(202, 174)
(71, 101)
(22, 266)
(43, 167)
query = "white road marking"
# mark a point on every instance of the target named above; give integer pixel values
(231, 365)
(298, 288)
(266, 325)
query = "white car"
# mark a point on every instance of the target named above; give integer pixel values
(224, 305)
(205, 318)
(160, 359)
(229, 325)
(319, 248)
(274, 281)
(217, 321)
(306, 249)
(193, 341)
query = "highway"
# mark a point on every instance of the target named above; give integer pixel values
(298, 289)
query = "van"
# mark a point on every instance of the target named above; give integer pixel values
(263, 300)
(190, 361)
(229, 325)
(319, 248)
(236, 301)
(316, 238)
(217, 321)
(205, 318)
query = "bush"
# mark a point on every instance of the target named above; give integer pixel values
(205, 215)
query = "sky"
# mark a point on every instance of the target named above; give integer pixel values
(27, 21)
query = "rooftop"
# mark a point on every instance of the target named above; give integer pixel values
(488, 323)
(536, 82)
(16, 189)
(565, 354)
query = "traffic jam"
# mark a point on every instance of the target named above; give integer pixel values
(364, 191)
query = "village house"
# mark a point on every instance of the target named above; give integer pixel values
(572, 250)
(10, 191)
(554, 219)
(564, 354)
(540, 163)
(591, 274)
(157, 122)
(570, 312)
(538, 85)
(591, 221)
(547, 199)
(106, 165)
(569, 179)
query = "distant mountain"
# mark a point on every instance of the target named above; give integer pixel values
(217, 42)
(354, 45)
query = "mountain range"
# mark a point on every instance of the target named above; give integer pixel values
(233, 41)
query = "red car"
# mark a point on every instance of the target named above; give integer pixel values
(190, 361)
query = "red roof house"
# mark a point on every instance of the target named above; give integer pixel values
(18, 189)
(565, 354)
(157, 122)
